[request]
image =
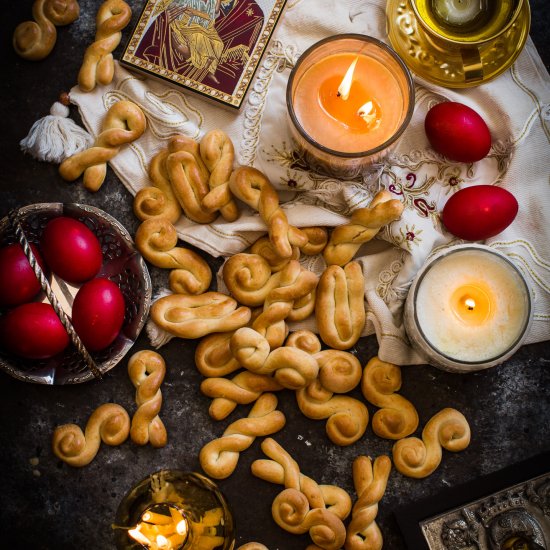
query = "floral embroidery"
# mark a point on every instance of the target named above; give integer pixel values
(408, 236)
(278, 59)
(386, 279)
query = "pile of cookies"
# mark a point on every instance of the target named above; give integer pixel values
(248, 329)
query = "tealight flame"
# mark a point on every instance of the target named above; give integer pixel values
(136, 534)
(345, 86)
(162, 542)
(470, 303)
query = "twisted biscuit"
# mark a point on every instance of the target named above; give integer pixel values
(397, 417)
(419, 458)
(242, 389)
(195, 316)
(189, 185)
(253, 546)
(249, 279)
(146, 370)
(219, 457)
(263, 247)
(370, 485)
(34, 40)
(340, 305)
(365, 223)
(291, 367)
(303, 505)
(124, 123)
(98, 66)
(347, 417)
(290, 299)
(156, 239)
(317, 240)
(218, 153)
(253, 188)
(109, 423)
(292, 512)
(159, 200)
(213, 357)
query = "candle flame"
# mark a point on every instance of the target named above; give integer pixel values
(136, 534)
(470, 303)
(162, 542)
(345, 86)
(181, 527)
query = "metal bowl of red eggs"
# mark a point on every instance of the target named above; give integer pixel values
(88, 261)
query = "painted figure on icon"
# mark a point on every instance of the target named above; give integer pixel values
(207, 41)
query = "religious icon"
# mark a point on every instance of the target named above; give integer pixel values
(210, 46)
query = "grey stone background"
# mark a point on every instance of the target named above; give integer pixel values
(52, 506)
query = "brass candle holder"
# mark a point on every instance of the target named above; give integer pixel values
(174, 510)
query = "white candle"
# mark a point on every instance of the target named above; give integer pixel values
(459, 12)
(470, 307)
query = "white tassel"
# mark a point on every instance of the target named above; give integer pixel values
(56, 137)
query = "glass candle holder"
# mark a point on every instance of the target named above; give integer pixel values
(342, 132)
(174, 510)
(468, 309)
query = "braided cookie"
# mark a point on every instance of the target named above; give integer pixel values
(218, 154)
(159, 200)
(291, 367)
(292, 299)
(253, 188)
(213, 357)
(124, 123)
(189, 185)
(317, 240)
(397, 417)
(195, 316)
(242, 389)
(98, 66)
(263, 247)
(34, 40)
(156, 239)
(419, 458)
(347, 417)
(370, 485)
(365, 223)
(146, 370)
(219, 457)
(249, 279)
(109, 423)
(303, 506)
(340, 305)
(252, 546)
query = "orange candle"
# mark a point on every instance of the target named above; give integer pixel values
(337, 123)
(349, 98)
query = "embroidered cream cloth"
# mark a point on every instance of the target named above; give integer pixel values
(516, 107)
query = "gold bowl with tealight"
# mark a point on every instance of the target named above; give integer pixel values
(458, 43)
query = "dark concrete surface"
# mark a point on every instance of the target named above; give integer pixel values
(53, 506)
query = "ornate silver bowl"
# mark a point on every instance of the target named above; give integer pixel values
(122, 264)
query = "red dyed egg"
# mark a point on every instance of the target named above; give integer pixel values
(479, 212)
(457, 132)
(98, 313)
(18, 283)
(71, 250)
(33, 331)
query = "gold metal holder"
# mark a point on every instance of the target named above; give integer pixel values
(450, 62)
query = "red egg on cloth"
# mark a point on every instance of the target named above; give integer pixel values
(18, 283)
(71, 250)
(98, 313)
(33, 331)
(457, 132)
(479, 212)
